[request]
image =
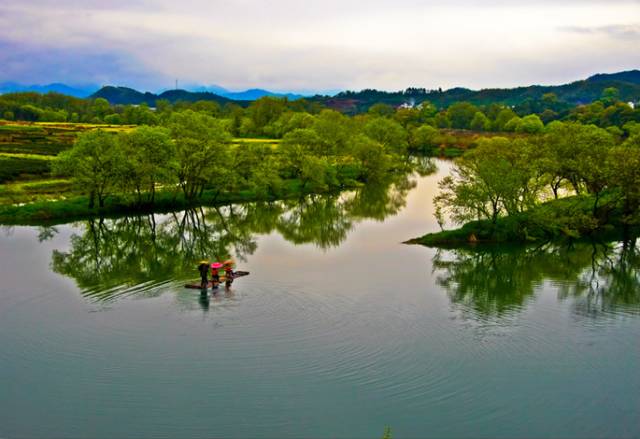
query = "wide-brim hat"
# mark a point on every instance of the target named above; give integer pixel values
(216, 265)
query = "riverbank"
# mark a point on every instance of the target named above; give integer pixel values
(76, 208)
(555, 220)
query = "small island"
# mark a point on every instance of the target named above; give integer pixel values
(572, 180)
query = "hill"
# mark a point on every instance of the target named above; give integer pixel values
(246, 95)
(632, 76)
(76, 91)
(125, 95)
(257, 93)
(575, 93)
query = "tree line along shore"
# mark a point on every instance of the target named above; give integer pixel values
(117, 159)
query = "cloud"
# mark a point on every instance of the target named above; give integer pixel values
(315, 45)
(619, 31)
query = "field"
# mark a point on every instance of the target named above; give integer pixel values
(28, 148)
(26, 152)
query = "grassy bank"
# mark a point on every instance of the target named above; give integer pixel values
(566, 218)
(76, 208)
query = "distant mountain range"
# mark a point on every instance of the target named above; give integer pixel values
(247, 95)
(575, 93)
(81, 91)
(87, 90)
(125, 95)
(578, 92)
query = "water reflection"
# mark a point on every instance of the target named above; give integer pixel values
(487, 282)
(138, 255)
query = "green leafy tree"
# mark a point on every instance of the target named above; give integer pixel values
(151, 160)
(502, 118)
(101, 107)
(530, 124)
(480, 122)
(389, 133)
(442, 120)
(202, 147)
(461, 114)
(423, 138)
(610, 95)
(513, 124)
(264, 112)
(576, 153)
(372, 157)
(622, 165)
(334, 129)
(486, 182)
(95, 164)
(139, 115)
(381, 110)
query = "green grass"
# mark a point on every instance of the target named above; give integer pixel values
(34, 191)
(33, 148)
(76, 207)
(9, 127)
(20, 155)
(12, 168)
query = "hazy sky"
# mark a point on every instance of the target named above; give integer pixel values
(316, 45)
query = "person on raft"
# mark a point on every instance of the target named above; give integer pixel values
(215, 274)
(203, 268)
(228, 273)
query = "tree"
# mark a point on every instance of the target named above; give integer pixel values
(461, 114)
(513, 124)
(151, 160)
(139, 115)
(265, 111)
(441, 120)
(310, 142)
(372, 157)
(423, 138)
(290, 121)
(610, 95)
(101, 107)
(622, 174)
(480, 122)
(334, 129)
(389, 133)
(504, 116)
(255, 166)
(490, 180)
(201, 151)
(381, 110)
(95, 164)
(530, 124)
(577, 154)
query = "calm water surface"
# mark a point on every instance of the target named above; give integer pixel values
(339, 331)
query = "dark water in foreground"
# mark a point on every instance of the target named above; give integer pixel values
(339, 331)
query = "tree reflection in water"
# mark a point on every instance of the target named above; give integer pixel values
(132, 255)
(495, 281)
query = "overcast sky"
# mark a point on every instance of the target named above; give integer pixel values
(301, 45)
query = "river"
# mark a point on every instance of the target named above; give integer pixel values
(339, 331)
